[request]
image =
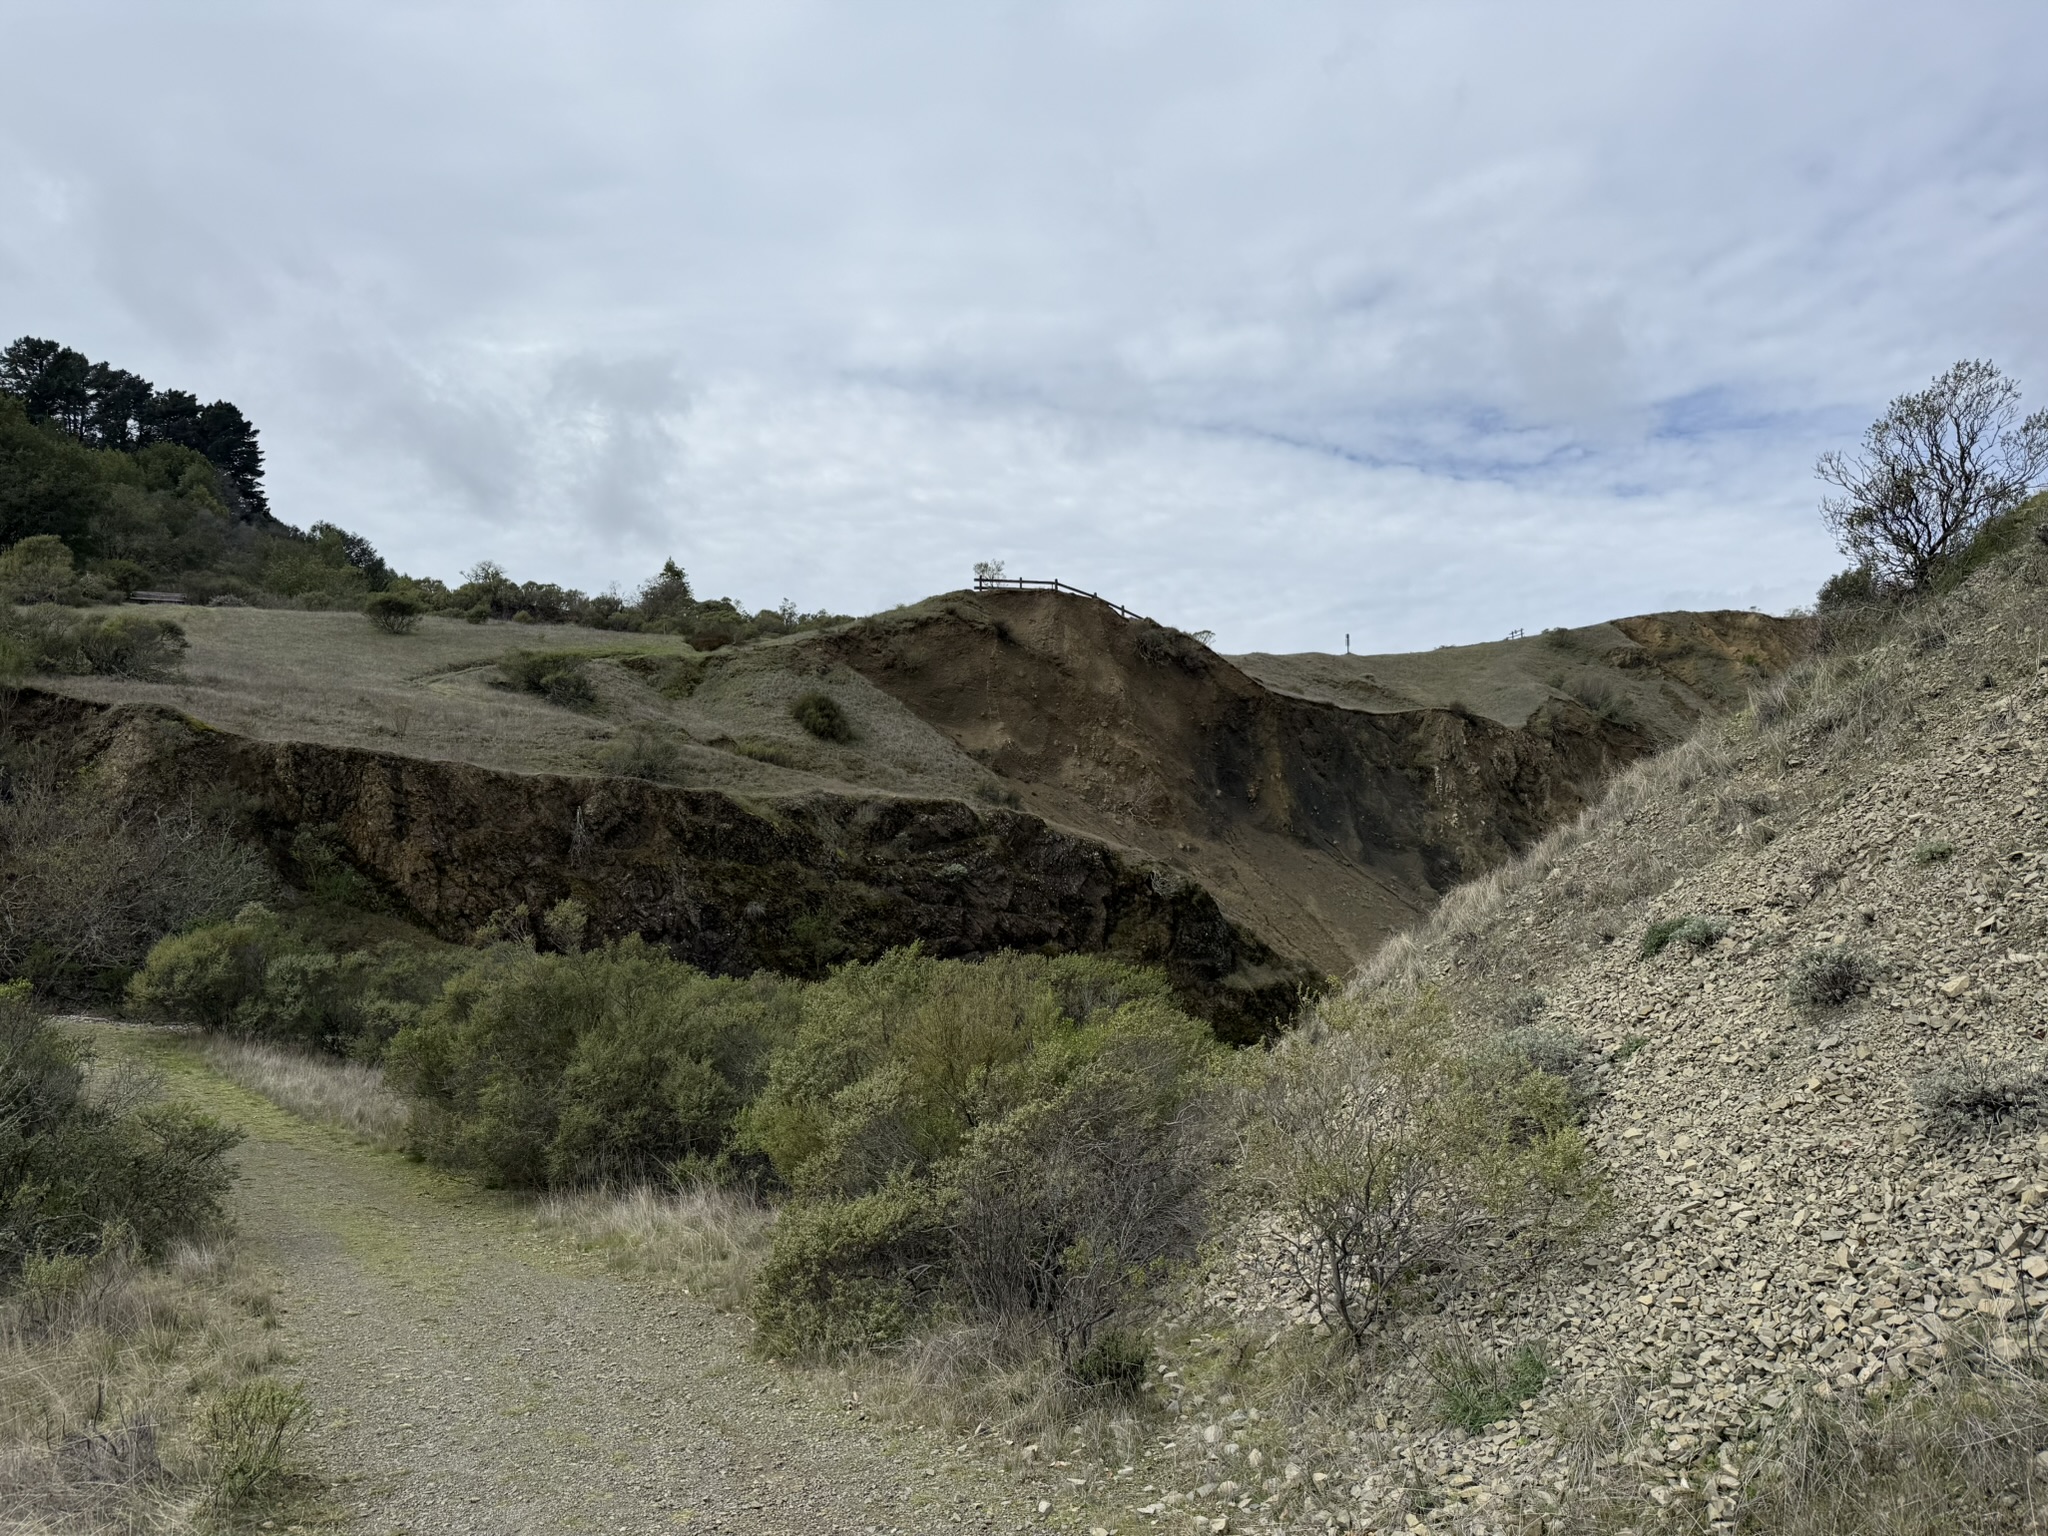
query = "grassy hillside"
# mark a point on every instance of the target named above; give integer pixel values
(1662, 672)
(1320, 824)
(718, 721)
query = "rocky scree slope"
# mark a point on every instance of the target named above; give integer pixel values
(1323, 812)
(1820, 1193)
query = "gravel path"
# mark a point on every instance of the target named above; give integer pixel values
(473, 1375)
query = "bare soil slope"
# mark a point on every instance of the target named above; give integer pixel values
(1321, 809)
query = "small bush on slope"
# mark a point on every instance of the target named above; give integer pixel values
(557, 676)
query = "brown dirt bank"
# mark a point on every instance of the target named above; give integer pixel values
(1318, 821)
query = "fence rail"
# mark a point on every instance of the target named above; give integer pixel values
(1021, 584)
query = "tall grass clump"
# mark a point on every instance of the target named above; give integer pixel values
(350, 1095)
(711, 1237)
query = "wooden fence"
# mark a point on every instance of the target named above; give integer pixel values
(1020, 584)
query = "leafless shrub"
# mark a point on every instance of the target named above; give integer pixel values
(1361, 1203)
(1061, 1215)
(1935, 468)
(91, 884)
(1978, 1099)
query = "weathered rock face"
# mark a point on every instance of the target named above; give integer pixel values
(791, 886)
(1322, 827)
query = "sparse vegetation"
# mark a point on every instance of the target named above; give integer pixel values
(1698, 932)
(248, 1435)
(1935, 850)
(1478, 1385)
(1975, 1098)
(315, 1086)
(1828, 978)
(643, 752)
(711, 1237)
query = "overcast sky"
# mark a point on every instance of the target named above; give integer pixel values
(1420, 322)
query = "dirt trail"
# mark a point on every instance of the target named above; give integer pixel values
(473, 1375)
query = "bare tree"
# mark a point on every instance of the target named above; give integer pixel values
(1933, 470)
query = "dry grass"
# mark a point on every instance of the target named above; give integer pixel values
(332, 678)
(319, 1088)
(1956, 1456)
(712, 1240)
(104, 1372)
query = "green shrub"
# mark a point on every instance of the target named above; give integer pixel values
(207, 976)
(52, 639)
(40, 569)
(394, 612)
(847, 1274)
(1389, 1146)
(557, 676)
(642, 752)
(1048, 1108)
(1117, 1364)
(81, 1168)
(248, 1434)
(1699, 932)
(820, 714)
(555, 1069)
(1933, 851)
(1828, 978)
(1856, 587)
(262, 976)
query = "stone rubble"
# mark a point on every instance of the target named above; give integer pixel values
(1783, 1223)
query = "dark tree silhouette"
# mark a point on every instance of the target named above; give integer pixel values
(109, 407)
(1932, 470)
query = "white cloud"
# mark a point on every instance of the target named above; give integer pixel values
(1418, 320)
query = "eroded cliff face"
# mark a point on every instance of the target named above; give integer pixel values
(792, 885)
(1325, 828)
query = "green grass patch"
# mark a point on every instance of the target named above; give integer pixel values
(1477, 1387)
(1699, 932)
